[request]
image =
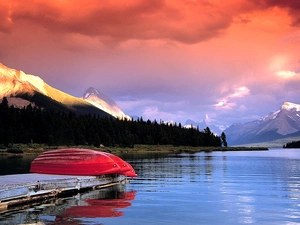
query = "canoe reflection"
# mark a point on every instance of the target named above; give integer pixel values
(72, 209)
(100, 207)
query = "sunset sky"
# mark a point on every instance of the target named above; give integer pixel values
(223, 61)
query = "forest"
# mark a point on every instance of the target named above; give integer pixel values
(36, 125)
(293, 144)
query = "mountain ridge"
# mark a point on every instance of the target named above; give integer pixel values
(202, 125)
(276, 125)
(103, 102)
(17, 85)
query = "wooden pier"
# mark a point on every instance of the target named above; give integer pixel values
(24, 188)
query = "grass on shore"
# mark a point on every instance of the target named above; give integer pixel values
(137, 149)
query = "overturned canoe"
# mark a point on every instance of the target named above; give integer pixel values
(125, 168)
(74, 161)
(130, 173)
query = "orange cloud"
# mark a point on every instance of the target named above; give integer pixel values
(183, 21)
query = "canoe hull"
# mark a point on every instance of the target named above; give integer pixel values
(73, 161)
(125, 168)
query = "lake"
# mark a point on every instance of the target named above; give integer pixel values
(255, 187)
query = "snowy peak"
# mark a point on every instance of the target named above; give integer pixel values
(16, 81)
(22, 89)
(270, 116)
(101, 101)
(279, 124)
(202, 125)
(90, 91)
(36, 81)
(290, 106)
(94, 93)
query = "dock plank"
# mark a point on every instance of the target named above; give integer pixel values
(24, 187)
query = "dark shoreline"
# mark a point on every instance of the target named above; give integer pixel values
(137, 149)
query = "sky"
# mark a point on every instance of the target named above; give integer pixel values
(222, 61)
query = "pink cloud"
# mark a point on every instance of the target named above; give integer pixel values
(228, 102)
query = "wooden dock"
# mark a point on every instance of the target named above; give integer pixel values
(24, 188)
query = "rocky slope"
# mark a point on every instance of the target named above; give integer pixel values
(280, 124)
(22, 89)
(104, 103)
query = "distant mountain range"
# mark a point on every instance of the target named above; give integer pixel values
(202, 125)
(284, 123)
(23, 89)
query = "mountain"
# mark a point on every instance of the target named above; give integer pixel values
(277, 125)
(23, 89)
(104, 103)
(214, 129)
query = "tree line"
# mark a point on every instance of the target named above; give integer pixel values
(293, 144)
(36, 125)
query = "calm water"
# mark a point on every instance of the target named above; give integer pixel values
(203, 188)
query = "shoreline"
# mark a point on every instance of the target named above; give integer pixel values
(23, 149)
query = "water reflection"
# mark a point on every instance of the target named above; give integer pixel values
(235, 187)
(103, 203)
(202, 188)
(15, 164)
(95, 206)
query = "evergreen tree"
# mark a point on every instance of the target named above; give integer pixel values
(32, 124)
(223, 138)
(4, 103)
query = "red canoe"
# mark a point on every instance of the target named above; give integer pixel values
(131, 172)
(74, 161)
(125, 168)
(83, 162)
(120, 162)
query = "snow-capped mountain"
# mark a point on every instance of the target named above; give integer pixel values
(14, 82)
(202, 125)
(23, 89)
(103, 102)
(280, 124)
